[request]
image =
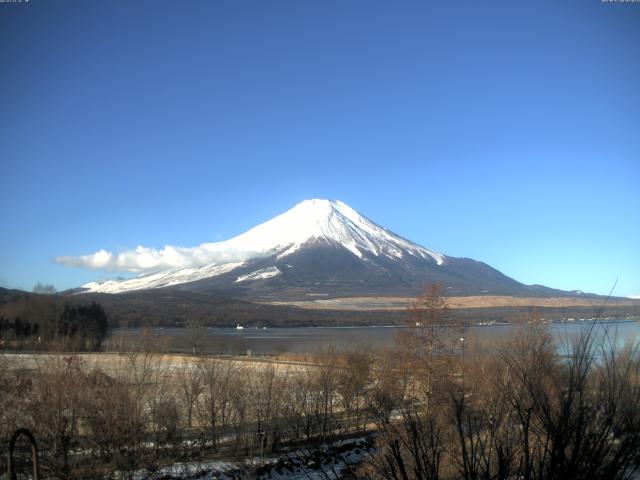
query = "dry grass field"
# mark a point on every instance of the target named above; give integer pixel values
(485, 301)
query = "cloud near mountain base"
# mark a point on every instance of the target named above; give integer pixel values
(145, 259)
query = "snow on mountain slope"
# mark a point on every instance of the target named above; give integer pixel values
(310, 221)
(259, 274)
(329, 220)
(164, 278)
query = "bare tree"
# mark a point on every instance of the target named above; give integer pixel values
(268, 390)
(195, 334)
(55, 408)
(222, 392)
(411, 447)
(428, 338)
(191, 386)
(114, 423)
(354, 378)
(324, 389)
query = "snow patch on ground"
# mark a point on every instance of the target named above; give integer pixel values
(322, 463)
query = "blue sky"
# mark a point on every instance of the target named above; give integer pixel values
(503, 131)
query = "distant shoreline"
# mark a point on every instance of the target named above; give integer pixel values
(247, 330)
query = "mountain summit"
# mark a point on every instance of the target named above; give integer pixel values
(319, 220)
(322, 248)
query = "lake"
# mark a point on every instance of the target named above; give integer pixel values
(272, 341)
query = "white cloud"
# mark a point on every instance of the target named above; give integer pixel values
(145, 259)
(635, 296)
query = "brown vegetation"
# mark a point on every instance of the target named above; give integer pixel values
(438, 407)
(525, 412)
(473, 301)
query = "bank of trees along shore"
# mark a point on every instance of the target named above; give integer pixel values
(43, 322)
(517, 410)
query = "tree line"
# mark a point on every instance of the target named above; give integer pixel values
(42, 322)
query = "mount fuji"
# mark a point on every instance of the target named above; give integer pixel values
(323, 248)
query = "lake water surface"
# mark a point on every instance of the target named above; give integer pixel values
(271, 341)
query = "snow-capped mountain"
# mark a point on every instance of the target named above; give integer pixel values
(326, 248)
